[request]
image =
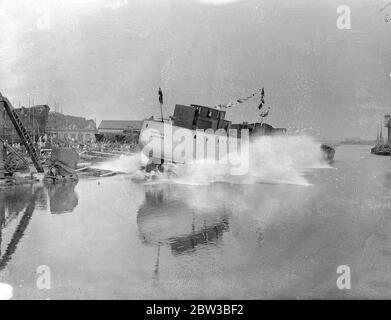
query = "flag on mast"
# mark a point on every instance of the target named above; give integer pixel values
(161, 102)
(160, 96)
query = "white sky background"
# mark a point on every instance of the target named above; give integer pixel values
(105, 59)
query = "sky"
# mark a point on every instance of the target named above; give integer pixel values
(106, 59)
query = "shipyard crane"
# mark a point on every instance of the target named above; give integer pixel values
(22, 132)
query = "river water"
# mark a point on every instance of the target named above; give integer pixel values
(107, 238)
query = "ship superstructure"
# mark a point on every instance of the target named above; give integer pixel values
(208, 127)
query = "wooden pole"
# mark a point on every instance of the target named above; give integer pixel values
(161, 102)
(161, 111)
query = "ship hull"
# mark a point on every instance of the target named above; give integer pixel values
(162, 141)
(381, 150)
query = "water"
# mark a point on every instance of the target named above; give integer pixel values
(116, 238)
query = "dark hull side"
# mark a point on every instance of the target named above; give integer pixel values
(381, 150)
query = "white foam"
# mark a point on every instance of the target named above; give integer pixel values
(123, 164)
(273, 160)
(6, 291)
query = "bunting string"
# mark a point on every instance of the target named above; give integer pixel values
(240, 101)
(263, 113)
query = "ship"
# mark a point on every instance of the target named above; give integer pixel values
(201, 124)
(382, 148)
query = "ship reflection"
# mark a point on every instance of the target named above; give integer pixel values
(62, 197)
(17, 206)
(208, 235)
(166, 219)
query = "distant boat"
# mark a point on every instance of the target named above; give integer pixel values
(381, 148)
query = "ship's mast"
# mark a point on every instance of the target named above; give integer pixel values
(387, 124)
(377, 136)
(161, 102)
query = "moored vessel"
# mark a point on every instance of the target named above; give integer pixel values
(383, 148)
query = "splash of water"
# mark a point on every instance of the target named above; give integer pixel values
(123, 164)
(6, 291)
(284, 159)
(273, 159)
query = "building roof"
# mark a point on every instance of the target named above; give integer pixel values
(120, 124)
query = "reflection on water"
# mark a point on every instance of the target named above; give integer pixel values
(14, 207)
(208, 235)
(17, 206)
(63, 198)
(164, 218)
